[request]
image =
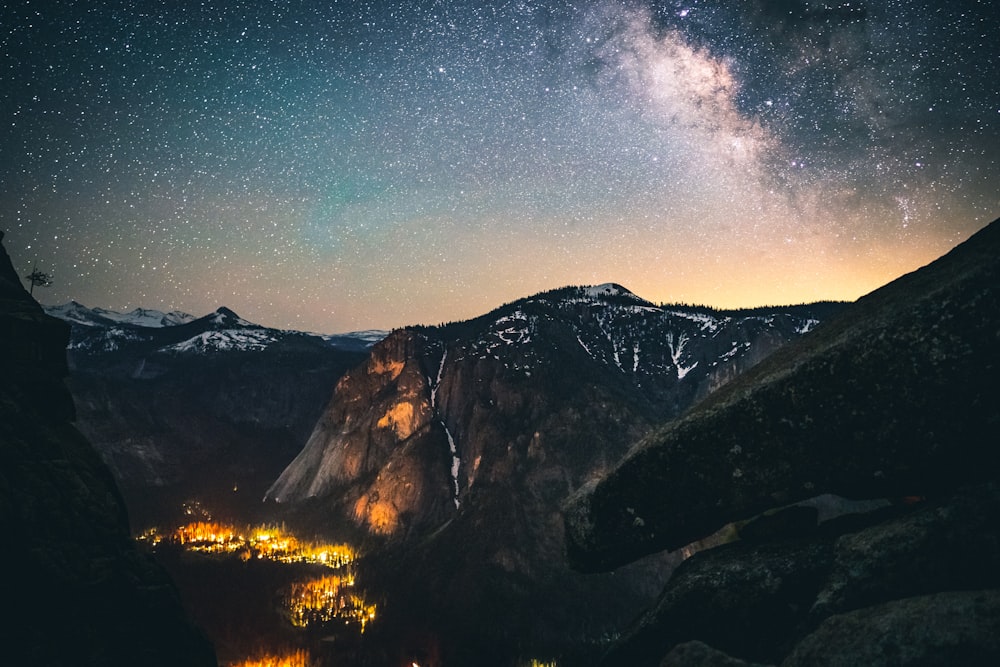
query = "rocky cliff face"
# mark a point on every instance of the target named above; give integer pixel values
(79, 592)
(437, 410)
(377, 437)
(461, 441)
(893, 398)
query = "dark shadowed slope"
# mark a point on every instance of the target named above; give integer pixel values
(895, 396)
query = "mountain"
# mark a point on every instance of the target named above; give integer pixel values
(893, 398)
(80, 314)
(210, 407)
(143, 331)
(80, 591)
(455, 445)
(419, 380)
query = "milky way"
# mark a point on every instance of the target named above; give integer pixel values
(335, 166)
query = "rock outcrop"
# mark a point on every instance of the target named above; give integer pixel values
(380, 437)
(79, 591)
(891, 399)
(951, 628)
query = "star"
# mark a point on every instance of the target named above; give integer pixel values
(338, 166)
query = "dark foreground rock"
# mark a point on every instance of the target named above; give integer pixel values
(78, 591)
(755, 600)
(953, 628)
(944, 544)
(698, 654)
(740, 598)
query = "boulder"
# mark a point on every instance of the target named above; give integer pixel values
(939, 630)
(698, 654)
(945, 544)
(742, 598)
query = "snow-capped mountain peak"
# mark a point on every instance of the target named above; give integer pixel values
(608, 289)
(77, 313)
(224, 317)
(144, 317)
(144, 331)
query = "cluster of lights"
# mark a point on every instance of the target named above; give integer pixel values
(317, 601)
(327, 599)
(262, 542)
(298, 658)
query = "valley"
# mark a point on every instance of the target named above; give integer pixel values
(440, 454)
(262, 593)
(579, 477)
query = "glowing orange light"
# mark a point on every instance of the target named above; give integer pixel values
(299, 658)
(327, 599)
(268, 542)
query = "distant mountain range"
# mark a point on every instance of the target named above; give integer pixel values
(142, 331)
(77, 313)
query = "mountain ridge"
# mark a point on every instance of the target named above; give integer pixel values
(955, 288)
(892, 399)
(107, 329)
(617, 317)
(465, 437)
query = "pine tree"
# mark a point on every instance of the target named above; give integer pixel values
(38, 279)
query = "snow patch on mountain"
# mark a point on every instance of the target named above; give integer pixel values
(706, 322)
(807, 326)
(607, 289)
(516, 328)
(226, 340)
(456, 463)
(114, 338)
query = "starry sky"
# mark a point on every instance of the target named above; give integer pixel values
(334, 166)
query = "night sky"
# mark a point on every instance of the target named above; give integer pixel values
(334, 166)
